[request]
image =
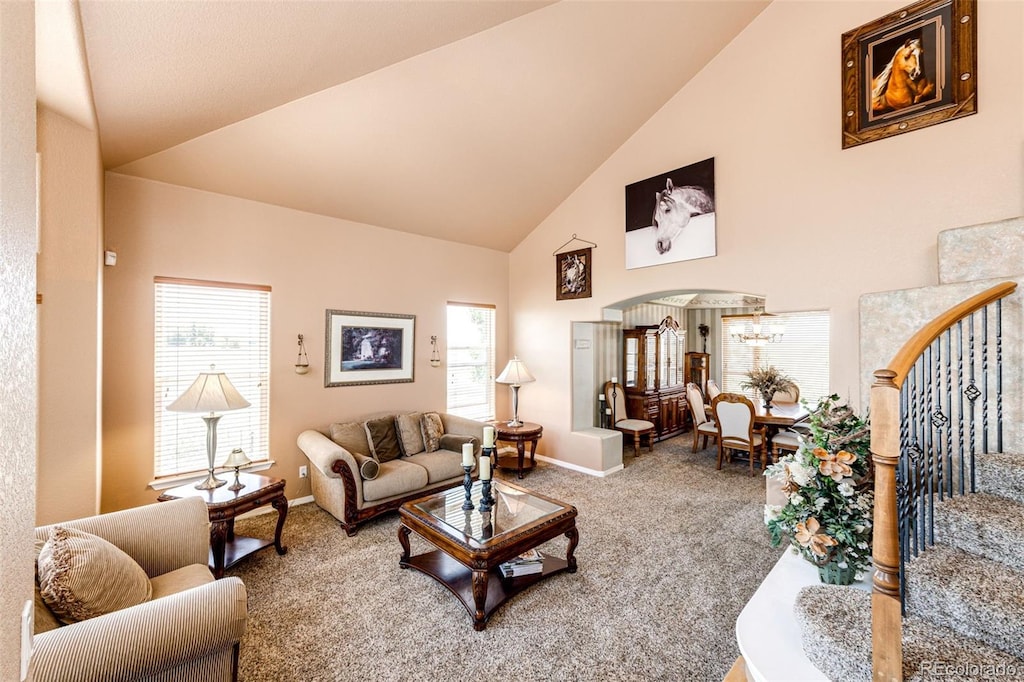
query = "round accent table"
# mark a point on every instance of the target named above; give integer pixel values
(520, 435)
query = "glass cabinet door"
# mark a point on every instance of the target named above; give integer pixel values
(651, 353)
(632, 348)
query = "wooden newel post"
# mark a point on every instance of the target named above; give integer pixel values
(886, 618)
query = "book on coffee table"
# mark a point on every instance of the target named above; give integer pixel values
(527, 563)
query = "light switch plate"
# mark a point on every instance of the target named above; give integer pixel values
(110, 257)
(27, 627)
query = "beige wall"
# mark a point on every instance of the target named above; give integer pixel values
(68, 469)
(18, 394)
(312, 263)
(800, 220)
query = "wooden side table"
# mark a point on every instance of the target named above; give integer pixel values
(227, 549)
(520, 435)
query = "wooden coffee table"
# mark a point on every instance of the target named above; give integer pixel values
(471, 544)
(227, 549)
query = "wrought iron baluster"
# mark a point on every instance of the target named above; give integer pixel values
(960, 393)
(999, 375)
(984, 381)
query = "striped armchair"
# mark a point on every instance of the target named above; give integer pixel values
(189, 630)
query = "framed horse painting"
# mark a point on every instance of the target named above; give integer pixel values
(910, 69)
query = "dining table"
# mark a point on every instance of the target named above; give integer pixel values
(776, 417)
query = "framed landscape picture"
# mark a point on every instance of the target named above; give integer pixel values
(671, 217)
(910, 69)
(368, 348)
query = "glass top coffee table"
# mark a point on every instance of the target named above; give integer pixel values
(472, 544)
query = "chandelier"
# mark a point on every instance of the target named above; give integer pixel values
(758, 333)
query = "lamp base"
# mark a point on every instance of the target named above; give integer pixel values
(210, 483)
(514, 423)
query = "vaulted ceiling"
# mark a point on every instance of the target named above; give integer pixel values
(462, 120)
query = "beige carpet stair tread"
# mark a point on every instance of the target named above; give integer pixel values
(975, 596)
(834, 621)
(987, 525)
(1001, 474)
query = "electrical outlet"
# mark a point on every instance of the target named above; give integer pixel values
(27, 626)
(303, 471)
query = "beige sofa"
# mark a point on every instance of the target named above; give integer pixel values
(189, 629)
(339, 472)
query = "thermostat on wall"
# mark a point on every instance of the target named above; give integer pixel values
(110, 257)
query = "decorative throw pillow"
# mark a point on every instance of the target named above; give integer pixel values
(409, 435)
(351, 436)
(432, 429)
(454, 442)
(368, 466)
(44, 618)
(82, 576)
(383, 439)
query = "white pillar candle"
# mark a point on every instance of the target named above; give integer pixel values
(615, 380)
(467, 454)
(488, 436)
(485, 468)
(608, 411)
(601, 397)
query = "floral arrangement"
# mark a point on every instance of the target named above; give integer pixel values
(767, 381)
(828, 488)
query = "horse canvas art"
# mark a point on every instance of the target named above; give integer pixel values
(912, 68)
(903, 81)
(673, 208)
(671, 217)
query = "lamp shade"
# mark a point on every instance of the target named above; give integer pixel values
(210, 392)
(237, 458)
(515, 373)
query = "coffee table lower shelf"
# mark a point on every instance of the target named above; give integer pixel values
(459, 580)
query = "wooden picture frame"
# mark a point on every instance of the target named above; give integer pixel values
(910, 69)
(368, 348)
(573, 274)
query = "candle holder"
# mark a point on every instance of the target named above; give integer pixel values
(487, 526)
(486, 500)
(467, 483)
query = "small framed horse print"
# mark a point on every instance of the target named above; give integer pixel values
(573, 274)
(910, 69)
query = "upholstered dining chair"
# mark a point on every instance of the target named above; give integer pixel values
(702, 426)
(713, 390)
(734, 417)
(791, 395)
(637, 428)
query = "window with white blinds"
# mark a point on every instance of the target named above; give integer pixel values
(802, 353)
(198, 324)
(470, 360)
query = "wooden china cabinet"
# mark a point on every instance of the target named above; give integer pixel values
(697, 370)
(654, 372)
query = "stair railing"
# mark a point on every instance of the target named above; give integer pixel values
(937, 404)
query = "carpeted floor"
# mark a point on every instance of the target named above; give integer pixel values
(670, 551)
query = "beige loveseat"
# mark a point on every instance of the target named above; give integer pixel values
(354, 479)
(189, 628)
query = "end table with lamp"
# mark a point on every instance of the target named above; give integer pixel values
(225, 505)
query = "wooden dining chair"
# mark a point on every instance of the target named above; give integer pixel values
(791, 395)
(636, 428)
(787, 439)
(713, 390)
(734, 417)
(702, 426)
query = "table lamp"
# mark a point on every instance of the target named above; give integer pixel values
(236, 460)
(515, 374)
(211, 392)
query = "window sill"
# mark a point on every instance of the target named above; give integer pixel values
(174, 481)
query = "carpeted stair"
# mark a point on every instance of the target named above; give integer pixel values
(964, 595)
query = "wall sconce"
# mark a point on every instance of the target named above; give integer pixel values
(302, 362)
(435, 356)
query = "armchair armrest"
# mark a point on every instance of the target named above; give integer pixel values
(144, 640)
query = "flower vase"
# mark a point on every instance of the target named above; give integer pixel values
(767, 397)
(832, 574)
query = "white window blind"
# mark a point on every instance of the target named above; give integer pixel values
(471, 360)
(198, 324)
(802, 353)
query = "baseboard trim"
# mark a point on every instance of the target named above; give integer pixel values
(270, 510)
(577, 467)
